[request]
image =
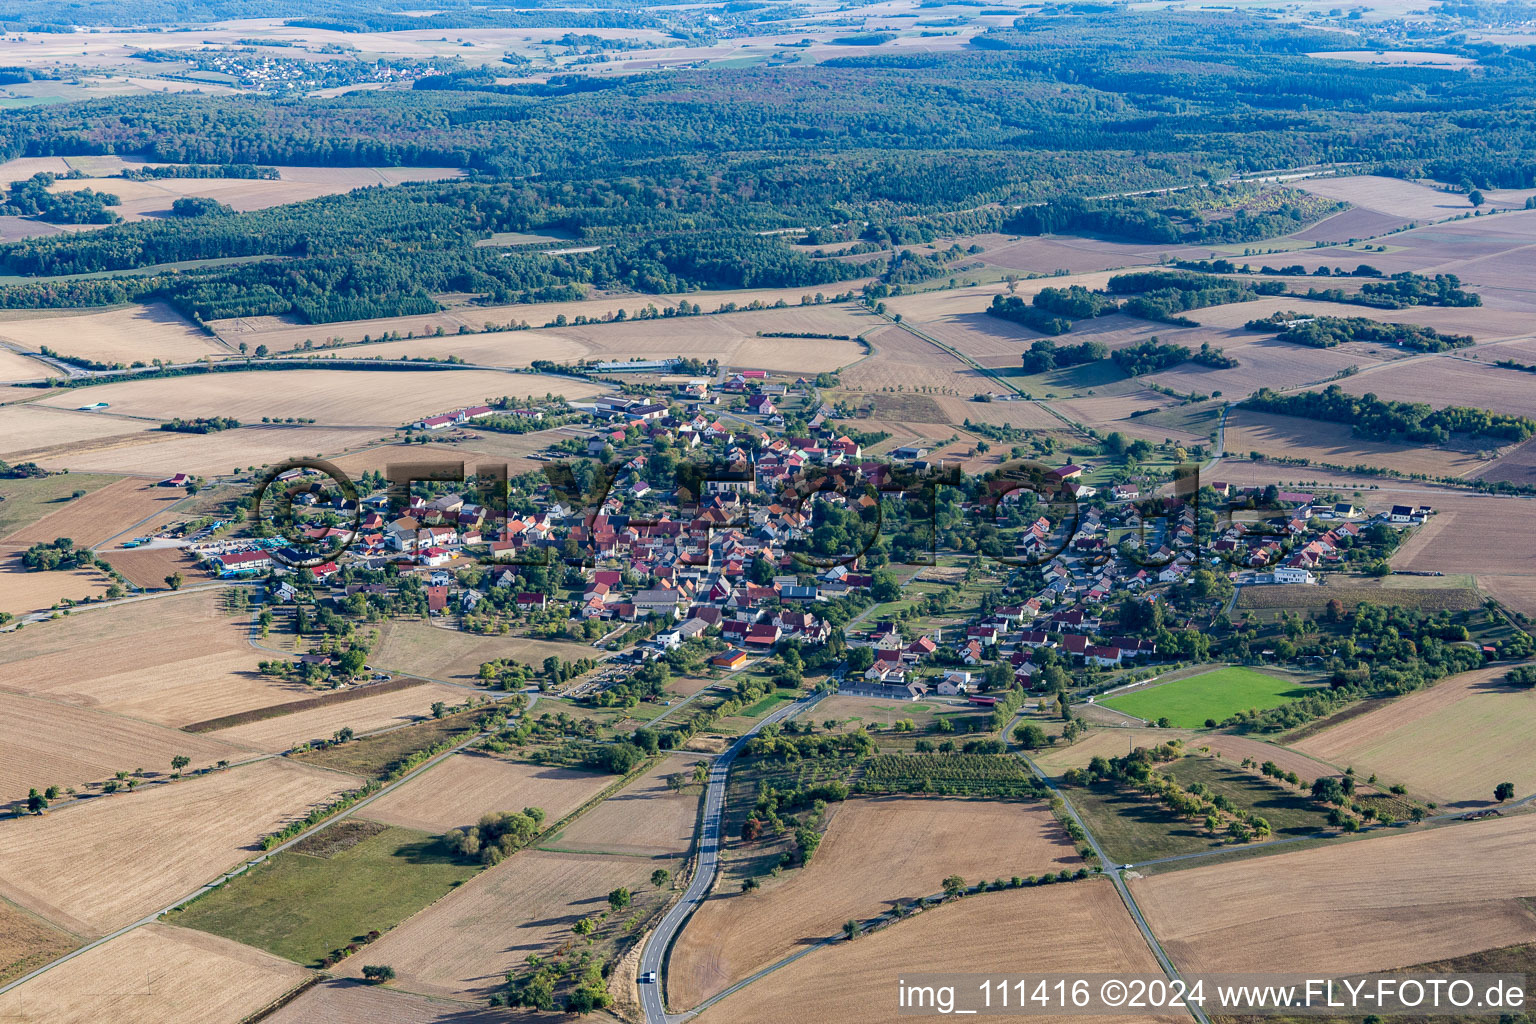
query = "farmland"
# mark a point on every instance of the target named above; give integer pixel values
(380, 398)
(915, 842)
(155, 975)
(302, 905)
(371, 713)
(44, 743)
(464, 787)
(463, 945)
(1453, 742)
(172, 660)
(1081, 927)
(415, 647)
(1371, 904)
(645, 819)
(101, 514)
(126, 334)
(100, 864)
(160, 453)
(1188, 703)
(1448, 381)
(24, 591)
(147, 568)
(27, 942)
(1294, 438)
(344, 1001)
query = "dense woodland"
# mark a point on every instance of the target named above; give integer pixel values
(673, 175)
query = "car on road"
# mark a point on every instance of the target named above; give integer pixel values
(648, 978)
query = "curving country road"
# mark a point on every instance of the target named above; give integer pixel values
(657, 946)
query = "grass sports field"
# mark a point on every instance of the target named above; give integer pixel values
(1189, 703)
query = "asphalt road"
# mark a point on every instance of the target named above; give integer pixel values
(656, 947)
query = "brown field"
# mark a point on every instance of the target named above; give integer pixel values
(1293, 437)
(1062, 928)
(464, 787)
(1114, 742)
(369, 714)
(17, 367)
(1478, 534)
(22, 591)
(171, 660)
(731, 339)
(415, 647)
(1453, 742)
(160, 453)
(645, 818)
(344, 1001)
(148, 567)
(1372, 904)
(1235, 748)
(27, 942)
(102, 514)
(1047, 254)
(903, 360)
(1449, 381)
(381, 398)
(464, 944)
(1484, 323)
(121, 335)
(1518, 592)
(1407, 199)
(279, 334)
(911, 845)
(1113, 412)
(43, 743)
(100, 864)
(153, 198)
(157, 974)
(1262, 362)
(31, 427)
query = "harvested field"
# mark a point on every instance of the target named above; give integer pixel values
(280, 334)
(645, 818)
(152, 199)
(148, 567)
(915, 842)
(22, 591)
(1235, 748)
(1047, 254)
(381, 398)
(1453, 742)
(155, 975)
(687, 686)
(1104, 743)
(1262, 362)
(1484, 323)
(102, 514)
(1020, 415)
(377, 755)
(1351, 592)
(416, 647)
(16, 367)
(161, 453)
(325, 699)
(172, 660)
(1480, 535)
(345, 1001)
(466, 786)
(368, 714)
(1081, 927)
(1113, 412)
(1447, 380)
(463, 945)
(32, 427)
(1294, 438)
(124, 335)
(1517, 466)
(102, 863)
(1371, 904)
(27, 942)
(1352, 223)
(1407, 199)
(902, 359)
(44, 744)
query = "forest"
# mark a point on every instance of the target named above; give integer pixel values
(1328, 331)
(675, 175)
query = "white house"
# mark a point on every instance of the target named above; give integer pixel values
(1289, 574)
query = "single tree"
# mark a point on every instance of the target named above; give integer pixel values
(378, 974)
(619, 898)
(852, 929)
(174, 581)
(660, 878)
(954, 885)
(1504, 791)
(179, 762)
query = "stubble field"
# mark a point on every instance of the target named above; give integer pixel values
(415, 647)
(876, 852)
(466, 786)
(1453, 742)
(23, 591)
(644, 819)
(44, 743)
(124, 334)
(1446, 380)
(463, 945)
(105, 862)
(101, 514)
(370, 714)
(1293, 437)
(337, 398)
(27, 942)
(172, 660)
(345, 1001)
(1081, 927)
(155, 975)
(1371, 904)
(161, 453)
